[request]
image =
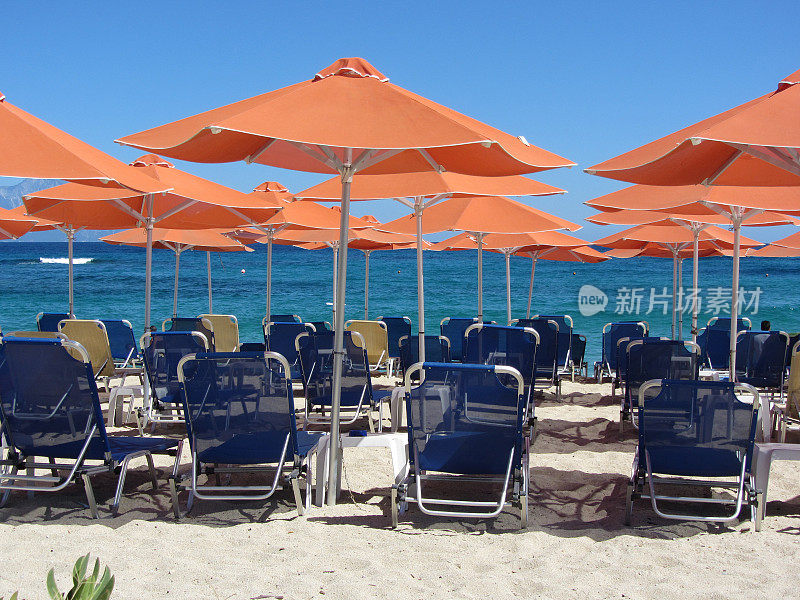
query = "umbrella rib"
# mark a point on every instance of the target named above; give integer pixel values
(255, 155)
(714, 176)
(315, 155)
(426, 155)
(7, 233)
(127, 209)
(770, 155)
(175, 210)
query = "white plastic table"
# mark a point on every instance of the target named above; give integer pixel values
(396, 442)
(763, 455)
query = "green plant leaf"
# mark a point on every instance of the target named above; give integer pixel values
(52, 588)
(79, 571)
(104, 587)
(14, 596)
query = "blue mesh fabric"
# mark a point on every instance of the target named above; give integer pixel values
(564, 336)
(50, 321)
(285, 319)
(578, 349)
(164, 351)
(696, 428)
(396, 328)
(436, 350)
(316, 362)
(321, 325)
(761, 358)
(239, 408)
(121, 339)
(191, 324)
(547, 352)
(615, 333)
(501, 345)
(725, 323)
(658, 359)
(280, 336)
(463, 420)
(715, 347)
(453, 329)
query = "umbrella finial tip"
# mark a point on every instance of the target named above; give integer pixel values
(351, 67)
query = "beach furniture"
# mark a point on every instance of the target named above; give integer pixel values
(226, 331)
(322, 325)
(240, 419)
(454, 328)
(465, 426)
(252, 347)
(162, 351)
(50, 409)
(515, 347)
(742, 323)
(376, 337)
(122, 341)
(714, 341)
(655, 358)
(695, 433)
(577, 351)
(199, 324)
(565, 327)
(50, 321)
(396, 328)
(357, 398)
(280, 337)
(45, 335)
(437, 349)
(761, 362)
(547, 366)
(612, 333)
(789, 412)
(281, 319)
(91, 334)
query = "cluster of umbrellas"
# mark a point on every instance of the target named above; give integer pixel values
(382, 141)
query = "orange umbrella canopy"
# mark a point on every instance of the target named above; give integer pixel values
(348, 105)
(691, 213)
(520, 243)
(360, 239)
(35, 149)
(14, 223)
(206, 240)
(310, 215)
(428, 184)
(670, 234)
(41, 224)
(486, 214)
(192, 203)
(654, 250)
(754, 144)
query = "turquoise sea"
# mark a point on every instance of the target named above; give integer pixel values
(109, 282)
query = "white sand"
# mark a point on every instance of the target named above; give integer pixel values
(575, 547)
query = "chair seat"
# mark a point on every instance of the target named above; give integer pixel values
(468, 452)
(121, 447)
(695, 462)
(255, 448)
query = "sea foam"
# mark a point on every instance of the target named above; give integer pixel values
(64, 261)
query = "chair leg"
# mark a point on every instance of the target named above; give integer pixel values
(395, 507)
(53, 472)
(298, 499)
(7, 493)
(152, 469)
(30, 472)
(87, 485)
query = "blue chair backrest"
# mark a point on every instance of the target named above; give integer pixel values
(564, 323)
(696, 428)
(396, 327)
(547, 352)
(715, 347)
(191, 324)
(50, 321)
(502, 345)
(316, 365)
(615, 332)
(280, 337)
(453, 329)
(464, 419)
(577, 349)
(162, 351)
(285, 319)
(48, 399)
(121, 338)
(437, 349)
(321, 325)
(742, 323)
(239, 408)
(654, 358)
(761, 358)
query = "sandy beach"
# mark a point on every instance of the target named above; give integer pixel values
(576, 545)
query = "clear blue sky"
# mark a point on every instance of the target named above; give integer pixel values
(587, 80)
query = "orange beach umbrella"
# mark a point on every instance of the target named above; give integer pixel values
(15, 223)
(348, 118)
(180, 240)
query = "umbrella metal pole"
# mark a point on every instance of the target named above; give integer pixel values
(70, 260)
(366, 284)
(175, 291)
(418, 206)
(148, 261)
(335, 267)
(508, 287)
(534, 257)
(674, 287)
(680, 297)
(270, 236)
(208, 269)
(695, 291)
(736, 217)
(479, 236)
(335, 451)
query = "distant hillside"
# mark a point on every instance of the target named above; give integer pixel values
(11, 195)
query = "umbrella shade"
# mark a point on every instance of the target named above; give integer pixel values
(669, 234)
(690, 213)
(774, 251)
(15, 223)
(35, 149)
(754, 144)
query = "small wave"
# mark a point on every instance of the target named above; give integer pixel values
(64, 261)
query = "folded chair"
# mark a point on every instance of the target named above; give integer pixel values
(49, 408)
(465, 426)
(50, 321)
(612, 333)
(700, 434)
(357, 397)
(396, 327)
(198, 324)
(655, 358)
(226, 331)
(280, 337)
(454, 328)
(162, 351)
(437, 349)
(376, 336)
(240, 419)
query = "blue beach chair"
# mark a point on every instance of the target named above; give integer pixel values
(322, 325)
(465, 425)
(454, 328)
(162, 351)
(437, 349)
(612, 334)
(715, 339)
(565, 329)
(699, 433)
(240, 418)
(281, 319)
(198, 324)
(396, 327)
(50, 321)
(577, 356)
(49, 408)
(548, 372)
(122, 341)
(761, 360)
(655, 358)
(280, 337)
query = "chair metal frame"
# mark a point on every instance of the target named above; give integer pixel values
(603, 366)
